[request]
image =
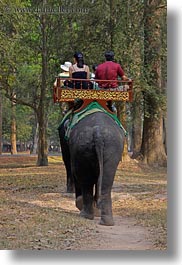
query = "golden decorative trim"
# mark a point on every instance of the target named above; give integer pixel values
(70, 94)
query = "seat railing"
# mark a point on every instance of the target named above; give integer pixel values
(68, 89)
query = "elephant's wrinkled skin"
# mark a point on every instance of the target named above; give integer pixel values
(95, 149)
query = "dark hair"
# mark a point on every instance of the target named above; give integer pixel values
(109, 55)
(79, 59)
(94, 67)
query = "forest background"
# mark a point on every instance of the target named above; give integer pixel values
(37, 36)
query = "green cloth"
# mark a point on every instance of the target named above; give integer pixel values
(67, 115)
(93, 107)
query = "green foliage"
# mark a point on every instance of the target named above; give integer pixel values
(154, 100)
(6, 118)
(28, 80)
(24, 117)
(88, 26)
(54, 120)
(24, 121)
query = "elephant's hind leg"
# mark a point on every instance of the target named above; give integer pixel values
(106, 210)
(87, 211)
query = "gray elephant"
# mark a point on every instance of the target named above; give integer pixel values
(66, 157)
(91, 157)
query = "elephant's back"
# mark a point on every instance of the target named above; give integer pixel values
(97, 127)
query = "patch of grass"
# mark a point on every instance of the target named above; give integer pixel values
(32, 227)
(147, 200)
(30, 216)
(17, 161)
(55, 159)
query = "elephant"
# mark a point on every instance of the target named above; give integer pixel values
(66, 158)
(91, 156)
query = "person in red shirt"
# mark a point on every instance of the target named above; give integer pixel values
(109, 70)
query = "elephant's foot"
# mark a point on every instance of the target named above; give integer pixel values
(79, 202)
(87, 215)
(106, 220)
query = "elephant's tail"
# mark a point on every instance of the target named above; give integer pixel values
(99, 182)
(99, 147)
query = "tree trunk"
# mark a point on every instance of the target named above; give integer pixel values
(35, 140)
(152, 146)
(13, 126)
(42, 142)
(121, 113)
(41, 115)
(152, 142)
(111, 24)
(136, 136)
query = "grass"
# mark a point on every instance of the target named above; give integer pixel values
(147, 200)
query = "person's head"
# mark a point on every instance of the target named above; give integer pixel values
(94, 67)
(109, 55)
(79, 59)
(66, 66)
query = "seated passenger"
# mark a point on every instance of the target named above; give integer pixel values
(64, 74)
(79, 70)
(109, 70)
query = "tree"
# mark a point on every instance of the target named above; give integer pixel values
(32, 54)
(13, 125)
(42, 143)
(7, 35)
(152, 141)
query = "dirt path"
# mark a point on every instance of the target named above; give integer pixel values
(124, 235)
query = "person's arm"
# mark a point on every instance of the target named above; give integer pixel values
(55, 83)
(70, 71)
(121, 73)
(88, 72)
(96, 74)
(125, 78)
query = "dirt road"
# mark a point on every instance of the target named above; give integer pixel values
(124, 235)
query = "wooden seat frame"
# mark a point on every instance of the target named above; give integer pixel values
(66, 94)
